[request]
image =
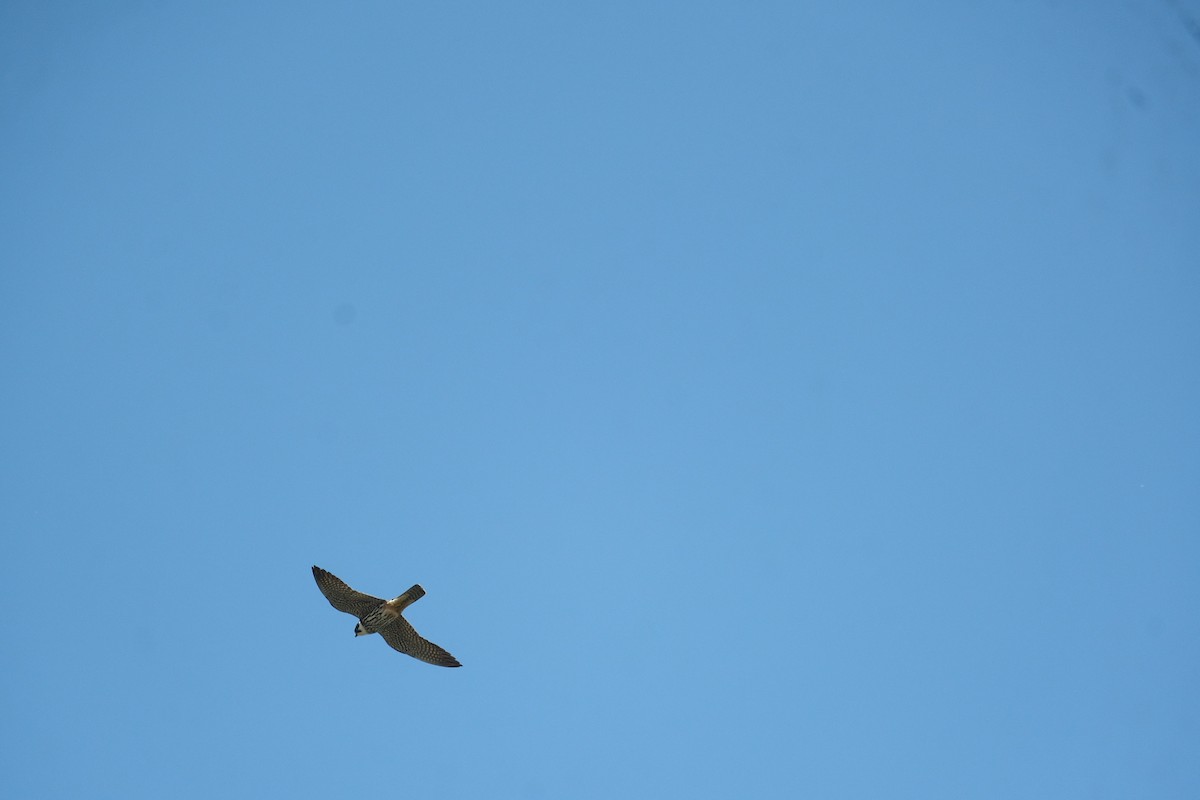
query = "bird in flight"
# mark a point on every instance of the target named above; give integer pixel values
(383, 617)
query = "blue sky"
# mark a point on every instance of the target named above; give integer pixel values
(773, 399)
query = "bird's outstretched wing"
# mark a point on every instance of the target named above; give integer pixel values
(341, 596)
(402, 636)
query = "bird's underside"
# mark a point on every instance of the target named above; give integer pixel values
(384, 617)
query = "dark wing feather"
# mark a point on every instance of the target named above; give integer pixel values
(402, 636)
(341, 596)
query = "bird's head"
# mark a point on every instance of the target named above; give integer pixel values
(359, 630)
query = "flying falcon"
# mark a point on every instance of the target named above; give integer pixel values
(383, 617)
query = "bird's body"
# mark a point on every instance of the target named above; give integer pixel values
(384, 617)
(385, 614)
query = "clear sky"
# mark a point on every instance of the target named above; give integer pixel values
(775, 399)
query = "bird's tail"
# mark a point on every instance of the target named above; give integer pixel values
(405, 600)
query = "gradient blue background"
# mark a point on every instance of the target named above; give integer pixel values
(775, 399)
